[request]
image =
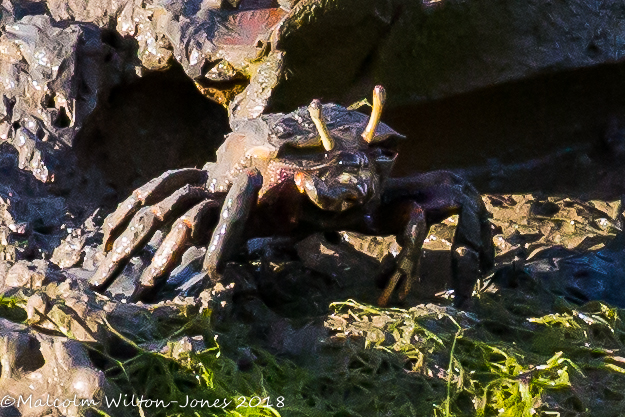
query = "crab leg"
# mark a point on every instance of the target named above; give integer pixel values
(146, 221)
(237, 206)
(379, 98)
(411, 240)
(183, 229)
(148, 194)
(472, 252)
(442, 194)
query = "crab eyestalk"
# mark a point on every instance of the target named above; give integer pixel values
(315, 114)
(379, 98)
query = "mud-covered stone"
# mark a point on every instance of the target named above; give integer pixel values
(32, 275)
(37, 365)
(528, 224)
(336, 260)
(37, 307)
(52, 76)
(572, 247)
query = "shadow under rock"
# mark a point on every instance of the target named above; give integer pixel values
(144, 128)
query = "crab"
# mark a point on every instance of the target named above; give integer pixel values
(318, 169)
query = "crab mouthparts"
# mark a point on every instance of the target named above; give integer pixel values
(337, 197)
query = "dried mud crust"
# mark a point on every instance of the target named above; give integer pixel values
(279, 328)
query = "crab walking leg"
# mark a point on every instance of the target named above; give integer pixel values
(236, 209)
(472, 252)
(168, 253)
(146, 221)
(409, 258)
(379, 98)
(148, 194)
(441, 194)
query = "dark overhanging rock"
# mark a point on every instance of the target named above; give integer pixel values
(508, 138)
(429, 50)
(335, 50)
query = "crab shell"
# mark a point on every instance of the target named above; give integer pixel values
(264, 142)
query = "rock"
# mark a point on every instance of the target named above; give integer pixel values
(52, 77)
(37, 307)
(335, 259)
(4, 269)
(30, 216)
(571, 247)
(32, 275)
(353, 274)
(36, 365)
(425, 50)
(528, 223)
(418, 51)
(251, 55)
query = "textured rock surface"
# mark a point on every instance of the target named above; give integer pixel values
(336, 49)
(52, 77)
(219, 44)
(426, 50)
(254, 54)
(53, 354)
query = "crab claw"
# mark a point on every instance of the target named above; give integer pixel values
(379, 98)
(183, 229)
(314, 109)
(148, 194)
(142, 225)
(338, 197)
(227, 235)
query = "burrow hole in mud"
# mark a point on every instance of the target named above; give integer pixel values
(144, 128)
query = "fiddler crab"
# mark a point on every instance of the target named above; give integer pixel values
(318, 169)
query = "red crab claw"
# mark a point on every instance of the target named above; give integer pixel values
(150, 193)
(142, 225)
(185, 228)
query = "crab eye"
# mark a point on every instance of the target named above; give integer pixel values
(350, 159)
(383, 155)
